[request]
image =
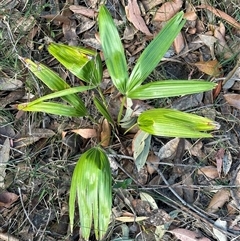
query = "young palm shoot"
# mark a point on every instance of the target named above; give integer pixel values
(91, 180)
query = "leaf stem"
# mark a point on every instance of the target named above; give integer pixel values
(121, 109)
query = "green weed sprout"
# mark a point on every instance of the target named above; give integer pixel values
(91, 180)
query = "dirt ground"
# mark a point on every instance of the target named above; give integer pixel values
(187, 190)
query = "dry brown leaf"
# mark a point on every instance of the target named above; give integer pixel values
(219, 160)
(218, 200)
(86, 133)
(149, 4)
(233, 100)
(208, 171)
(33, 137)
(200, 26)
(179, 43)
(7, 199)
(190, 16)
(10, 83)
(232, 208)
(133, 14)
(221, 14)
(87, 12)
(195, 149)
(188, 192)
(187, 235)
(154, 160)
(227, 162)
(105, 133)
(222, 47)
(168, 10)
(168, 151)
(54, 17)
(211, 67)
(209, 40)
(232, 76)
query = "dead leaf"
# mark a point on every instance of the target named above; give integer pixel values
(211, 67)
(69, 28)
(218, 200)
(219, 160)
(168, 151)
(209, 40)
(4, 157)
(208, 171)
(149, 4)
(232, 76)
(24, 24)
(187, 235)
(105, 133)
(7, 199)
(233, 100)
(168, 10)
(154, 160)
(86, 133)
(87, 12)
(221, 46)
(33, 137)
(227, 162)
(146, 197)
(59, 18)
(179, 43)
(133, 14)
(188, 192)
(129, 32)
(131, 219)
(221, 14)
(222, 226)
(190, 16)
(10, 83)
(140, 148)
(195, 149)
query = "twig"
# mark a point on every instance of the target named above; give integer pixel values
(24, 210)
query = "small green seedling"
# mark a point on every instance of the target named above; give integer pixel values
(91, 180)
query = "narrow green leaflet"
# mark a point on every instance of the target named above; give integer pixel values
(155, 51)
(55, 83)
(60, 93)
(84, 63)
(92, 184)
(113, 50)
(169, 88)
(174, 123)
(51, 108)
(103, 110)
